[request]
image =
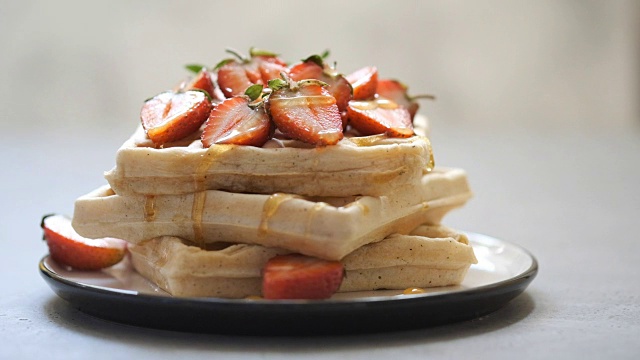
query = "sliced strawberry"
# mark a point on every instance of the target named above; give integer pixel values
(233, 79)
(364, 82)
(380, 116)
(68, 248)
(234, 122)
(396, 91)
(235, 76)
(296, 276)
(314, 68)
(306, 111)
(202, 81)
(171, 116)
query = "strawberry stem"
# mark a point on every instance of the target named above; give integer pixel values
(237, 54)
(422, 96)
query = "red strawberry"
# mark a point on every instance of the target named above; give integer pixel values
(305, 111)
(171, 116)
(202, 81)
(314, 68)
(234, 122)
(380, 116)
(364, 83)
(235, 76)
(68, 248)
(296, 276)
(396, 91)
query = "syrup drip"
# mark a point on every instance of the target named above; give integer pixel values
(150, 208)
(269, 209)
(413, 291)
(197, 209)
(431, 164)
(367, 140)
(208, 158)
(312, 214)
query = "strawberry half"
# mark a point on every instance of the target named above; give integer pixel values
(397, 92)
(236, 75)
(296, 276)
(305, 111)
(380, 116)
(68, 248)
(234, 121)
(171, 116)
(314, 67)
(364, 82)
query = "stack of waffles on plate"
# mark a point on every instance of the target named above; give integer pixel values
(204, 215)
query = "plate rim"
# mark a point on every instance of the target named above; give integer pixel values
(514, 285)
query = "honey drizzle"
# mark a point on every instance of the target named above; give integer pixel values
(200, 187)
(269, 209)
(197, 209)
(367, 140)
(314, 210)
(431, 164)
(150, 208)
(208, 158)
(413, 291)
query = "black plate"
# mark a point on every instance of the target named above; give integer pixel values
(503, 272)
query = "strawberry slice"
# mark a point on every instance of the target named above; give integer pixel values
(234, 121)
(296, 276)
(202, 81)
(380, 116)
(364, 82)
(68, 248)
(314, 67)
(305, 111)
(397, 92)
(236, 75)
(171, 116)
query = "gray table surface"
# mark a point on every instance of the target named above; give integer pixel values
(570, 197)
(537, 100)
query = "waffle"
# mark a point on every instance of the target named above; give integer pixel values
(326, 227)
(429, 256)
(369, 165)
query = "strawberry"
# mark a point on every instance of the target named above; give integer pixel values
(314, 67)
(364, 82)
(68, 248)
(171, 116)
(237, 121)
(202, 81)
(236, 75)
(296, 276)
(380, 116)
(305, 111)
(396, 91)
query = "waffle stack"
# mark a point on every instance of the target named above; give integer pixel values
(203, 221)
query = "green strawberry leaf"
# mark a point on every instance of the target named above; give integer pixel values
(253, 52)
(277, 84)
(195, 68)
(254, 91)
(318, 59)
(222, 63)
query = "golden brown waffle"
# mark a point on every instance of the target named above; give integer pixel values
(370, 165)
(430, 256)
(326, 227)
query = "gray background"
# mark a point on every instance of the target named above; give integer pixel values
(537, 100)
